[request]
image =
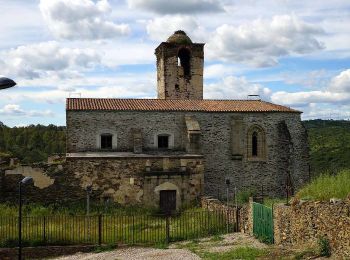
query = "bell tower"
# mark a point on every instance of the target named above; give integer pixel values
(180, 68)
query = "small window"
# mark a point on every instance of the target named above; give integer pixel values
(163, 141)
(255, 144)
(106, 141)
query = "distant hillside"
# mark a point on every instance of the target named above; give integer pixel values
(329, 144)
(32, 143)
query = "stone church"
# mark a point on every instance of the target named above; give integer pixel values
(167, 152)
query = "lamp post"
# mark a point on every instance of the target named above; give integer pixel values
(24, 181)
(6, 83)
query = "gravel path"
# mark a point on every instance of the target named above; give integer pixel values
(136, 253)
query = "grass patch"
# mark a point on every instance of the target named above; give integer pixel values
(236, 253)
(327, 186)
(104, 248)
(216, 238)
(75, 208)
(268, 202)
(161, 245)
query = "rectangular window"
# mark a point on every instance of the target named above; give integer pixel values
(163, 141)
(106, 141)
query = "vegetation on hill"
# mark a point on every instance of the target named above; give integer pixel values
(329, 142)
(33, 143)
(327, 186)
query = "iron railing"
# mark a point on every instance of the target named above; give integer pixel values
(111, 229)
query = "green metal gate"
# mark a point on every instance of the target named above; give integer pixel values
(263, 222)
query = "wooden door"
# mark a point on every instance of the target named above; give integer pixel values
(167, 202)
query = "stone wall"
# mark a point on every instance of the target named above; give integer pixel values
(244, 218)
(52, 184)
(222, 158)
(138, 180)
(44, 252)
(124, 180)
(304, 223)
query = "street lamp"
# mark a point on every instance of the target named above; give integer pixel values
(6, 83)
(24, 181)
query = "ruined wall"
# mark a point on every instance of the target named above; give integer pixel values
(122, 180)
(52, 184)
(217, 132)
(306, 222)
(128, 181)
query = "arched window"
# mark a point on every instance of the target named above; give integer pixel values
(256, 144)
(184, 58)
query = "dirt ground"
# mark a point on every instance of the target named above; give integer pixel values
(136, 253)
(190, 250)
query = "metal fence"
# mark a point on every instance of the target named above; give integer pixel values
(111, 229)
(263, 222)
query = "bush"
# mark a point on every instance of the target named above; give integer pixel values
(243, 196)
(324, 246)
(327, 186)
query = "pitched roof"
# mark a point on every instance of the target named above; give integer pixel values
(205, 105)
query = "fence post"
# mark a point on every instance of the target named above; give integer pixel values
(237, 219)
(133, 229)
(167, 227)
(44, 230)
(99, 229)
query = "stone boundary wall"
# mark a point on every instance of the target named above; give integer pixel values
(305, 222)
(245, 217)
(42, 252)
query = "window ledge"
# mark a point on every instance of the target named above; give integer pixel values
(256, 159)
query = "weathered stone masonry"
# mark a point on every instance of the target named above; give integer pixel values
(216, 142)
(138, 179)
(112, 144)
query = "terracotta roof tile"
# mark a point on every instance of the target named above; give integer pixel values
(205, 105)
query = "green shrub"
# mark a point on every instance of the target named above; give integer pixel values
(243, 196)
(327, 186)
(161, 245)
(324, 246)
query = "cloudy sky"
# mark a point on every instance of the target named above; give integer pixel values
(295, 53)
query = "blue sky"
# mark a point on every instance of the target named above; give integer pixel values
(294, 53)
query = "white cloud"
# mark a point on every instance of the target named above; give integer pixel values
(16, 110)
(81, 19)
(161, 28)
(341, 83)
(337, 92)
(179, 6)
(235, 88)
(47, 59)
(261, 42)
